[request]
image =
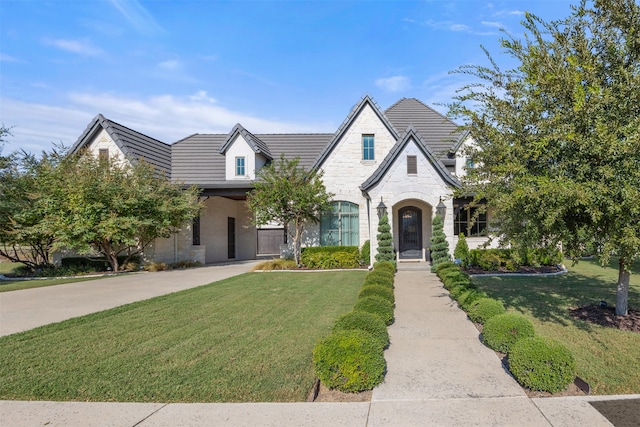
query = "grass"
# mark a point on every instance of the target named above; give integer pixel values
(607, 358)
(245, 339)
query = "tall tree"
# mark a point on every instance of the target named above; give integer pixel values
(114, 207)
(286, 193)
(558, 137)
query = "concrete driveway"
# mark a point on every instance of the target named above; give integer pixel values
(30, 308)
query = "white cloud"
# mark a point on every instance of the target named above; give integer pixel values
(172, 65)
(164, 117)
(139, 17)
(394, 84)
(492, 24)
(80, 47)
(509, 12)
(8, 58)
(457, 27)
(460, 27)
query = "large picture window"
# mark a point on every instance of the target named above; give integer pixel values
(469, 220)
(340, 226)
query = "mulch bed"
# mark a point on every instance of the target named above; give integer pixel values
(606, 316)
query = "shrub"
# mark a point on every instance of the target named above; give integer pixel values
(543, 364)
(468, 297)
(385, 240)
(388, 266)
(328, 257)
(378, 306)
(156, 266)
(365, 252)
(185, 264)
(502, 331)
(484, 309)
(445, 266)
(350, 361)
(439, 244)
(377, 291)
(457, 290)
(364, 321)
(461, 251)
(276, 264)
(379, 278)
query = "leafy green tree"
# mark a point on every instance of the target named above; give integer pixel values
(286, 193)
(558, 137)
(385, 240)
(439, 244)
(114, 207)
(24, 183)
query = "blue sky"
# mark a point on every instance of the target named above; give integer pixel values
(173, 68)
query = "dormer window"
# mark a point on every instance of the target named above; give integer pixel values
(240, 166)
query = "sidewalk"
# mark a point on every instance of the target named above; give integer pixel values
(439, 374)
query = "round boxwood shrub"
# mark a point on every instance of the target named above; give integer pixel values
(501, 332)
(380, 273)
(350, 361)
(364, 321)
(457, 290)
(445, 265)
(378, 306)
(387, 266)
(541, 363)
(377, 291)
(378, 280)
(468, 297)
(484, 309)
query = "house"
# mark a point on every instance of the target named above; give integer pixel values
(407, 158)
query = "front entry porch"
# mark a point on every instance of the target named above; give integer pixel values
(412, 230)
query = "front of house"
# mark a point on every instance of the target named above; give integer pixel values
(407, 158)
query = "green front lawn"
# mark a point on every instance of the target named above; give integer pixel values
(608, 359)
(244, 339)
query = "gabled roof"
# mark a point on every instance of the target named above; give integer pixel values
(134, 145)
(197, 159)
(256, 144)
(410, 134)
(353, 115)
(439, 133)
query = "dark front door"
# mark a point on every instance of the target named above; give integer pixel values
(410, 228)
(231, 237)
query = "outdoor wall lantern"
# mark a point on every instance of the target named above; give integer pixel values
(382, 209)
(441, 209)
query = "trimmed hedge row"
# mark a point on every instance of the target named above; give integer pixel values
(538, 363)
(512, 259)
(351, 358)
(328, 257)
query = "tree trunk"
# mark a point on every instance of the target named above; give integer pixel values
(297, 243)
(622, 293)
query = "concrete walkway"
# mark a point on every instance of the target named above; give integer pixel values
(439, 374)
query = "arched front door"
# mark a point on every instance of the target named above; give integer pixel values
(410, 229)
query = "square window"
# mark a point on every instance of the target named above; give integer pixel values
(240, 170)
(368, 147)
(103, 154)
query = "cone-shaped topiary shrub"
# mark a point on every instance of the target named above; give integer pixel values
(378, 306)
(461, 251)
(350, 361)
(439, 244)
(484, 309)
(385, 241)
(543, 364)
(364, 321)
(501, 332)
(377, 291)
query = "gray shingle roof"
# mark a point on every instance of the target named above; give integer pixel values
(257, 145)
(438, 132)
(410, 133)
(134, 145)
(197, 159)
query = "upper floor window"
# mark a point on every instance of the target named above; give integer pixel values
(469, 220)
(368, 147)
(340, 226)
(240, 166)
(103, 154)
(412, 165)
